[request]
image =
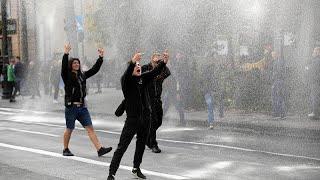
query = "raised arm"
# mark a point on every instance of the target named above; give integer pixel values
(164, 74)
(96, 67)
(130, 71)
(65, 59)
(150, 75)
(127, 74)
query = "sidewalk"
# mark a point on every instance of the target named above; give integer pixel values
(293, 126)
(105, 104)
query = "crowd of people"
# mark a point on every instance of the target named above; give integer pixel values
(149, 90)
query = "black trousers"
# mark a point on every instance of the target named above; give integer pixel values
(11, 86)
(17, 87)
(156, 122)
(131, 127)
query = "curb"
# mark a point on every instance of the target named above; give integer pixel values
(260, 129)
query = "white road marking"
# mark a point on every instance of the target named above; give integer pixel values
(31, 132)
(298, 167)
(89, 161)
(177, 129)
(22, 110)
(6, 113)
(78, 128)
(240, 149)
(193, 143)
(110, 132)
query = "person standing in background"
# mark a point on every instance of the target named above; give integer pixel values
(314, 74)
(11, 79)
(155, 91)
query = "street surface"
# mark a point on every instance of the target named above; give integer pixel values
(31, 147)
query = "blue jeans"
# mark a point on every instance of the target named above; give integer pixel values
(77, 113)
(210, 107)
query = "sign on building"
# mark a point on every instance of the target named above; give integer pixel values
(11, 26)
(79, 21)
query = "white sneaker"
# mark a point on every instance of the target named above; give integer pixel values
(211, 126)
(55, 101)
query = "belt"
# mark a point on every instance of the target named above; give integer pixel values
(77, 104)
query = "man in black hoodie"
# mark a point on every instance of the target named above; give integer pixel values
(75, 93)
(138, 109)
(155, 91)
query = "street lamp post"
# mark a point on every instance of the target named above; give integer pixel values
(24, 32)
(5, 92)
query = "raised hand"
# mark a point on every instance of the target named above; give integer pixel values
(67, 48)
(136, 57)
(166, 56)
(101, 52)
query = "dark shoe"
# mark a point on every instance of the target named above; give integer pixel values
(137, 173)
(110, 177)
(102, 151)
(12, 100)
(156, 149)
(67, 152)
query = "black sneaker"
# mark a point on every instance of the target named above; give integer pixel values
(110, 177)
(156, 149)
(102, 151)
(137, 173)
(67, 152)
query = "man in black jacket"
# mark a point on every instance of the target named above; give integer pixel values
(75, 93)
(155, 91)
(138, 109)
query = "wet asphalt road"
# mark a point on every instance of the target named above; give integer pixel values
(31, 147)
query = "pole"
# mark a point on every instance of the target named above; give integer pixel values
(4, 31)
(5, 92)
(24, 33)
